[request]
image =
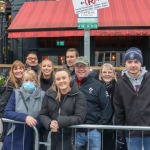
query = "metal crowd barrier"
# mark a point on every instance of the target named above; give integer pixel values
(103, 127)
(112, 127)
(36, 141)
(75, 127)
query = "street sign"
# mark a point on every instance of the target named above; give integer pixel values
(88, 20)
(87, 25)
(87, 5)
(88, 14)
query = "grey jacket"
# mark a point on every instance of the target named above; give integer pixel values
(33, 101)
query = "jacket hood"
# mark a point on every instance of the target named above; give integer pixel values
(36, 94)
(143, 71)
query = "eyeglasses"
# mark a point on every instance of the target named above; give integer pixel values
(83, 66)
(32, 58)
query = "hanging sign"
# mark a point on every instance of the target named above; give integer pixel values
(87, 5)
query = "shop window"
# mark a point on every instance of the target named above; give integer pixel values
(113, 57)
(57, 60)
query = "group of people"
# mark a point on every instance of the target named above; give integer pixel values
(52, 100)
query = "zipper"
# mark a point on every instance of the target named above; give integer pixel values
(60, 105)
(59, 111)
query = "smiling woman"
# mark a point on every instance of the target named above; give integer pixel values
(14, 81)
(24, 105)
(108, 77)
(63, 105)
(46, 74)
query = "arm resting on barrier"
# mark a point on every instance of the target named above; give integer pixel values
(10, 112)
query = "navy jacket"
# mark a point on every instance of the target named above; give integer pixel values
(22, 134)
(99, 109)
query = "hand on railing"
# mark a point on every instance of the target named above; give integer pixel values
(54, 126)
(30, 121)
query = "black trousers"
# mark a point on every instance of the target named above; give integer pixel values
(58, 141)
(109, 140)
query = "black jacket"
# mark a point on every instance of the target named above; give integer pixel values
(72, 110)
(34, 68)
(6, 95)
(99, 108)
(132, 108)
(110, 88)
(72, 72)
(46, 83)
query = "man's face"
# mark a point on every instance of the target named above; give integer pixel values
(81, 70)
(70, 58)
(32, 60)
(133, 67)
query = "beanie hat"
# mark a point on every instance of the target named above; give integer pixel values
(82, 60)
(133, 53)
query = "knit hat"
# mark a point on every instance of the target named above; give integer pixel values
(82, 60)
(133, 53)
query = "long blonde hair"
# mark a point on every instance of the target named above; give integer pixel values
(54, 86)
(108, 66)
(11, 77)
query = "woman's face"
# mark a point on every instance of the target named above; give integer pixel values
(27, 78)
(107, 75)
(47, 68)
(62, 81)
(18, 72)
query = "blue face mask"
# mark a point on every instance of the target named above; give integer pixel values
(29, 87)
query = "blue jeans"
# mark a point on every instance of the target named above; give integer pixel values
(91, 139)
(137, 143)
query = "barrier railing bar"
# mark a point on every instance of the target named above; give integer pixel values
(36, 144)
(111, 127)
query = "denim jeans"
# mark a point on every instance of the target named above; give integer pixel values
(91, 139)
(137, 143)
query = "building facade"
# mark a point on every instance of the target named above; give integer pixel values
(115, 34)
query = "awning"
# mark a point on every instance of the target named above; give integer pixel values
(57, 19)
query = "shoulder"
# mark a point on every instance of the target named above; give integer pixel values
(123, 78)
(95, 73)
(97, 83)
(10, 84)
(41, 92)
(65, 66)
(147, 74)
(81, 94)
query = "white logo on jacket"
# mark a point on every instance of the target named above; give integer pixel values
(107, 94)
(90, 90)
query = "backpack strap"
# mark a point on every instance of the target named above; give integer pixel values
(24, 101)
